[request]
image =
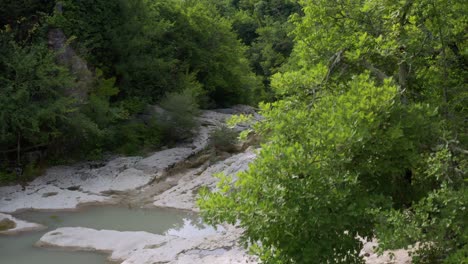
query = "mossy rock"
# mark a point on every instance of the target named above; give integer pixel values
(6, 224)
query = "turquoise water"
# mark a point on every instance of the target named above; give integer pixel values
(20, 249)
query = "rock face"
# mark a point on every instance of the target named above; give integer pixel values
(10, 225)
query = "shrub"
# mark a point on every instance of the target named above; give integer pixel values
(136, 136)
(6, 224)
(223, 139)
(6, 177)
(179, 120)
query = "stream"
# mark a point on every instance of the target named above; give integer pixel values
(20, 249)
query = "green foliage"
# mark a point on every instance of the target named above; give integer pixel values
(98, 107)
(136, 136)
(22, 17)
(158, 47)
(6, 177)
(6, 224)
(437, 221)
(371, 93)
(141, 52)
(264, 27)
(33, 105)
(317, 178)
(178, 122)
(239, 119)
(211, 50)
(31, 170)
(92, 23)
(223, 139)
(133, 105)
(245, 120)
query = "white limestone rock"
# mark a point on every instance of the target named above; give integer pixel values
(66, 187)
(217, 256)
(121, 245)
(145, 248)
(46, 197)
(183, 195)
(163, 160)
(92, 179)
(399, 256)
(212, 118)
(202, 139)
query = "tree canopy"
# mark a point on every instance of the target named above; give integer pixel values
(138, 52)
(368, 138)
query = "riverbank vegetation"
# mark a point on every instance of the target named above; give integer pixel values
(363, 105)
(80, 79)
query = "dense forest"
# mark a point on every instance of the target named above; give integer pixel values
(364, 106)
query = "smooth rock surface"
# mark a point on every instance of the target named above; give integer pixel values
(162, 160)
(183, 195)
(143, 247)
(38, 197)
(399, 256)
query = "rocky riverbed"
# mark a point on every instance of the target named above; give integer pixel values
(168, 178)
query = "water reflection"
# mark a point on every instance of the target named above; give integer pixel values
(193, 228)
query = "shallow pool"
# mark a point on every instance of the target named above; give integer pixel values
(20, 249)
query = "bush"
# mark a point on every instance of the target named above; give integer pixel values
(6, 177)
(6, 224)
(31, 171)
(136, 136)
(179, 121)
(223, 139)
